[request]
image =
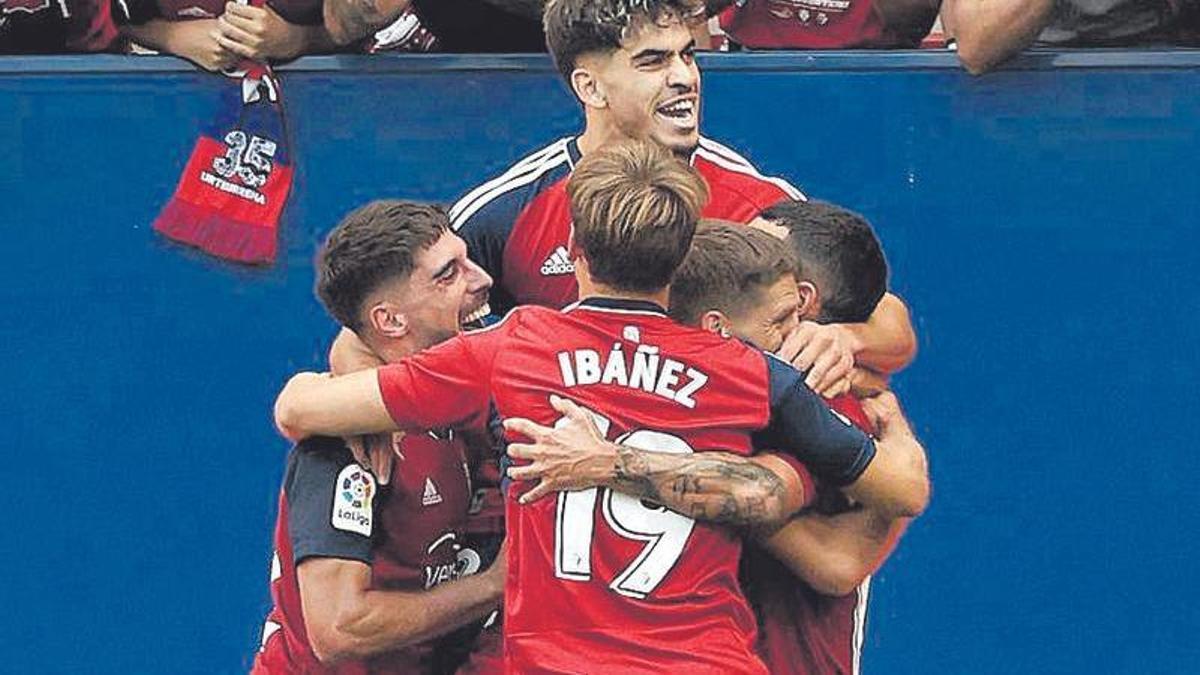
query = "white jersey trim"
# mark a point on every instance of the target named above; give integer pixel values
(860, 626)
(522, 173)
(724, 157)
(611, 310)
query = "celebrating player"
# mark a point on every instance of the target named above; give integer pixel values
(817, 627)
(364, 577)
(630, 64)
(742, 281)
(647, 588)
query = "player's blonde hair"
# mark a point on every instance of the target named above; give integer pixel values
(635, 207)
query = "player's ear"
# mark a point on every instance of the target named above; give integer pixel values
(715, 321)
(810, 300)
(588, 89)
(387, 320)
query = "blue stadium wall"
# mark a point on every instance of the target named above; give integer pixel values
(1040, 221)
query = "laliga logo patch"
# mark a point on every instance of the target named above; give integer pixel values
(245, 166)
(352, 501)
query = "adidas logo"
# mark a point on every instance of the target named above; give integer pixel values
(431, 495)
(559, 262)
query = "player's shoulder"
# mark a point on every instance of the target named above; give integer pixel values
(320, 454)
(507, 193)
(732, 176)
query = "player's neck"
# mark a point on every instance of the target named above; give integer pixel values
(593, 289)
(392, 350)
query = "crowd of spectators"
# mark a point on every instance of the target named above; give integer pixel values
(215, 35)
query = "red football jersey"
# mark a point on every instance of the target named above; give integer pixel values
(599, 581)
(516, 225)
(410, 532)
(802, 632)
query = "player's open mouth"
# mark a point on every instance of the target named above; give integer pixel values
(477, 315)
(679, 112)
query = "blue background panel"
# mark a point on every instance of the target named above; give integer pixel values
(1040, 221)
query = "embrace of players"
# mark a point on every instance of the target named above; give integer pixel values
(674, 451)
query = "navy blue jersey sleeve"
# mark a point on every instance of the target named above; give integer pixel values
(803, 425)
(330, 502)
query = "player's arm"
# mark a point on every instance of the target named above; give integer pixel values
(313, 404)
(444, 386)
(345, 618)
(349, 20)
(886, 342)
(990, 31)
(713, 486)
(887, 474)
(332, 548)
(835, 553)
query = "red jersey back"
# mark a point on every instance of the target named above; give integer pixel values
(410, 532)
(516, 225)
(600, 581)
(802, 632)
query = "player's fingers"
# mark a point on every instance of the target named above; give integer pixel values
(358, 449)
(572, 410)
(522, 450)
(819, 369)
(540, 490)
(527, 428)
(525, 472)
(795, 342)
(382, 459)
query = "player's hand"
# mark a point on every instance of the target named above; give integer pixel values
(572, 455)
(376, 453)
(865, 382)
(824, 352)
(258, 33)
(886, 416)
(197, 41)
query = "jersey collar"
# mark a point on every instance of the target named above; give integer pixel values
(621, 305)
(574, 155)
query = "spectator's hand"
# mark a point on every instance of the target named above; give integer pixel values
(376, 453)
(825, 352)
(258, 33)
(197, 42)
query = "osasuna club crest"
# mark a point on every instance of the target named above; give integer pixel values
(353, 499)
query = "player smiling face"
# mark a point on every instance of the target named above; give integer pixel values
(649, 88)
(445, 291)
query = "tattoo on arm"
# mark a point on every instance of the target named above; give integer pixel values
(713, 486)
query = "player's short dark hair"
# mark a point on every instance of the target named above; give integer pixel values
(577, 27)
(728, 268)
(635, 207)
(837, 250)
(373, 244)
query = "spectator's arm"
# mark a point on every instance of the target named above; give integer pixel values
(195, 41)
(259, 33)
(990, 31)
(833, 554)
(349, 20)
(344, 618)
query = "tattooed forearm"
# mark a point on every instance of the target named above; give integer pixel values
(350, 20)
(713, 486)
